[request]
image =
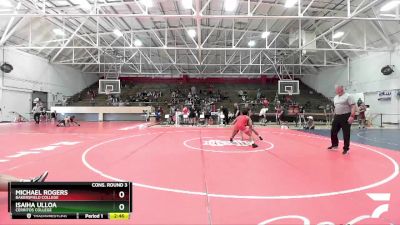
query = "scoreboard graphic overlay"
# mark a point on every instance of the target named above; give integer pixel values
(72, 200)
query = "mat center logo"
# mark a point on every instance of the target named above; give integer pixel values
(222, 143)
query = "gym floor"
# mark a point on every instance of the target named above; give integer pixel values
(193, 175)
(384, 138)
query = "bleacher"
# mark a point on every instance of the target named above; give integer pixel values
(309, 98)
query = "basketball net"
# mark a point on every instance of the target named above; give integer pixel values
(107, 91)
(290, 93)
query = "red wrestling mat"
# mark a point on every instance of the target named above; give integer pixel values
(196, 176)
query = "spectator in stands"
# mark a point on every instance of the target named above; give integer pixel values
(283, 117)
(263, 115)
(53, 115)
(159, 113)
(88, 93)
(193, 90)
(237, 110)
(185, 111)
(92, 94)
(210, 90)
(359, 102)
(225, 112)
(265, 103)
(289, 100)
(172, 110)
(192, 116)
(301, 117)
(264, 111)
(42, 113)
(64, 101)
(258, 94)
(207, 114)
(278, 112)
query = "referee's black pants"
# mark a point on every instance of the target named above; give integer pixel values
(340, 122)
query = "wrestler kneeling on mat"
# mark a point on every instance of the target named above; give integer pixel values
(67, 121)
(243, 124)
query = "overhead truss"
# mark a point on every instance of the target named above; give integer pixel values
(201, 41)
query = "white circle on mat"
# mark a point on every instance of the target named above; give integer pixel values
(187, 144)
(231, 196)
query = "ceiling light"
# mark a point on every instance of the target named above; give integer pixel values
(389, 6)
(290, 3)
(388, 15)
(59, 32)
(265, 34)
(138, 43)
(6, 3)
(340, 43)
(85, 5)
(147, 3)
(192, 33)
(187, 4)
(118, 33)
(231, 5)
(338, 35)
(252, 43)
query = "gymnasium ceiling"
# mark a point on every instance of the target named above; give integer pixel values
(199, 37)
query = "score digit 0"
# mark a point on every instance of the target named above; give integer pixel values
(121, 194)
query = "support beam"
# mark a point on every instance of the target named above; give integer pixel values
(168, 16)
(256, 7)
(70, 38)
(104, 47)
(7, 33)
(383, 36)
(308, 6)
(340, 24)
(335, 51)
(198, 22)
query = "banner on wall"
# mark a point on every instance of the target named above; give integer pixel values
(384, 95)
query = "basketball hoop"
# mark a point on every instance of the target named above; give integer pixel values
(107, 91)
(290, 93)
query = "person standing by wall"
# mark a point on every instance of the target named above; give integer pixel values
(361, 116)
(36, 113)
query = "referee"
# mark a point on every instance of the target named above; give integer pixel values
(345, 109)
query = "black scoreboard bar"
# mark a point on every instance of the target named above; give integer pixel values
(70, 200)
